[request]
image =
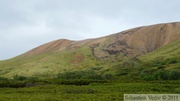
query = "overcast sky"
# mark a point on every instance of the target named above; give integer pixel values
(26, 24)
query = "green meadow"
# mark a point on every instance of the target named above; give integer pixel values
(112, 91)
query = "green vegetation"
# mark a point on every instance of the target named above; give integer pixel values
(51, 64)
(78, 75)
(83, 74)
(31, 89)
(161, 75)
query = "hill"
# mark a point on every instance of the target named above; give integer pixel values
(105, 55)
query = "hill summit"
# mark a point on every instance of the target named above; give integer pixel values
(132, 42)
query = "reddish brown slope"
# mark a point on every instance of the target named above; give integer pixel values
(50, 47)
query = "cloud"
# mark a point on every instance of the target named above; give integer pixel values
(25, 24)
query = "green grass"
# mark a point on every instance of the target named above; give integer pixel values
(52, 63)
(169, 51)
(93, 92)
(49, 63)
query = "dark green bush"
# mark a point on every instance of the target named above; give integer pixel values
(32, 79)
(85, 74)
(148, 71)
(149, 77)
(78, 91)
(161, 67)
(108, 76)
(173, 61)
(174, 75)
(74, 82)
(122, 71)
(12, 84)
(161, 75)
(3, 84)
(80, 82)
(3, 79)
(19, 78)
(17, 84)
(158, 63)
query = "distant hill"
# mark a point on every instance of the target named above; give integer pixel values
(104, 54)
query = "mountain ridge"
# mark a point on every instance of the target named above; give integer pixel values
(105, 54)
(142, 39)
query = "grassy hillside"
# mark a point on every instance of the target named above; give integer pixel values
(50, 64)
(171, 50)
(125, 53)
(167, 57)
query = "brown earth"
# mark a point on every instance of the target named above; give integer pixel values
(78, 58)
(50, 47)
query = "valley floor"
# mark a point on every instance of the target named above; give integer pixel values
(92, 92)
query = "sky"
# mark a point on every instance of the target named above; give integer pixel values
(26, 24)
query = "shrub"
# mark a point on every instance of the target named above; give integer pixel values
(174, 75)
(3, 84)
(78, 91)
(122, 71)
(3, 79)
(158, 63)
(30, 84)
(17, 84)
(86, 74)
(32, 79)
(80, 82)
(19, 78)
(161, 67)
(12, 84)
(173, 61)
(108, 76)
(74, 82)
(161, 75)
(149, 77)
